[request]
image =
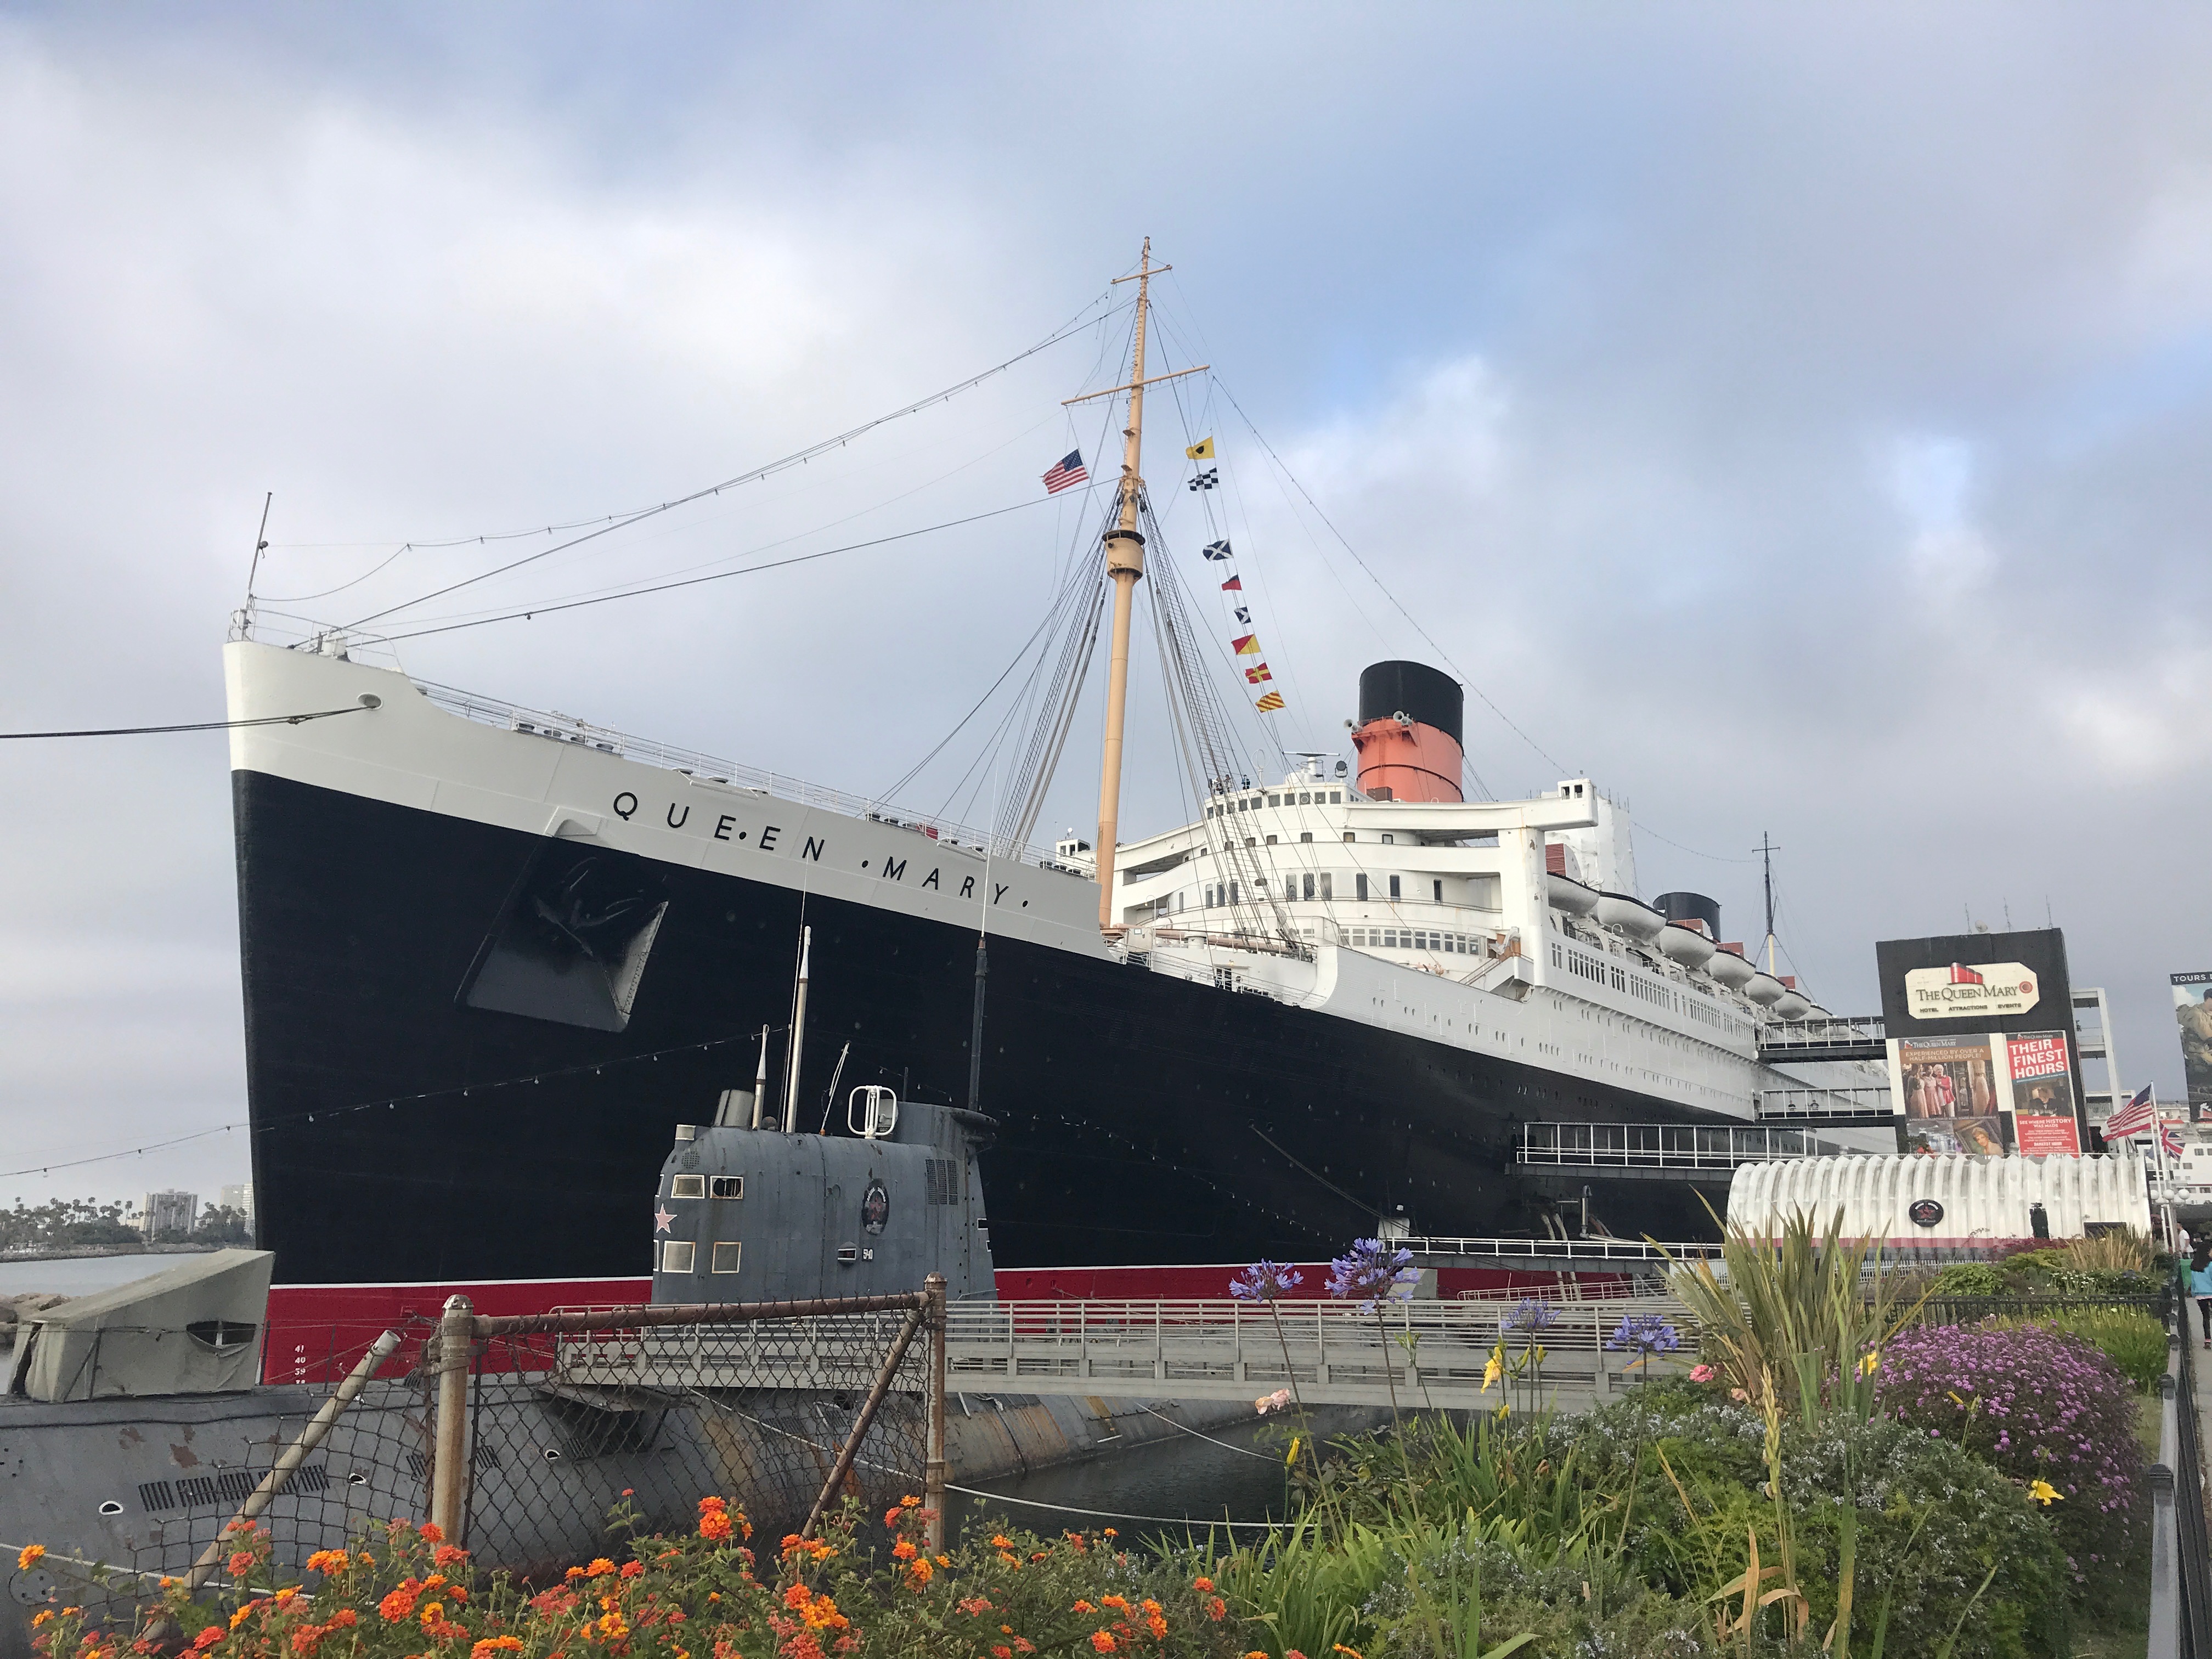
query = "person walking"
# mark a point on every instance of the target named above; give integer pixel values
(2200, 1286)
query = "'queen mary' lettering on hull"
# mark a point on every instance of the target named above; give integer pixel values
(725, 828)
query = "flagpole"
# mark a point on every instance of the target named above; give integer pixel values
(2165, 1185)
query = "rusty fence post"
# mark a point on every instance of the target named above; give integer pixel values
(449, 1466)
(932, 1466)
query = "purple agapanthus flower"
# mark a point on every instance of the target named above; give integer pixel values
(1645, 1334)
(1372, 1273)
(1531, 1314)
(1265, 1281)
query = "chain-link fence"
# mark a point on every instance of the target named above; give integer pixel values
(546, 1426)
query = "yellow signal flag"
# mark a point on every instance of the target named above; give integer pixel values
(1201, 450)
(1246, 645)
(1270, 703)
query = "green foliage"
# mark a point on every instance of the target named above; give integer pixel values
(1932, 1520)
(1791, 1320)
(1972, 1279)
(2131, 1338)
(64, 1224)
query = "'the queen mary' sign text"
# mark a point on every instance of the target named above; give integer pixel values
(1987, 988)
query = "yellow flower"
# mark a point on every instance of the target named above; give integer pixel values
(1867, 1364)
(1296, 1441)
(29, 1557)
(2043, 1492)
(1493, 1371)
(43, 1616)
(239, 1617)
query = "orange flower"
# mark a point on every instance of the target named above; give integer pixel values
(714, 1526)
(30, 1557)
(492, 1645)
(345, 1616)
(241, 1563)
(1083, 1607)
(1101, 1641)
(904, 1550)
(1201, 1583)
(973, 1606)
(399, 1603)
(573, 1573)
(919, 1575)
(432, 1534)
(207, 1638)
(633, 1569)
(909, 1502)
(1000, 1650)
(329, 1561)
(1115, 1602)
(447, 1556)
(1217, 1609)
(600, 1566)
(1000, 1541)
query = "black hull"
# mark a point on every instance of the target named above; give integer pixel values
(402, 1136)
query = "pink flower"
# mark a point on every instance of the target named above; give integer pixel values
(1701, 1373)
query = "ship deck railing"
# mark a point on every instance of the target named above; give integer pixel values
(1664, 1145)
(712, 769)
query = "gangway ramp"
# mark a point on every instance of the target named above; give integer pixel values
(1418, 1354)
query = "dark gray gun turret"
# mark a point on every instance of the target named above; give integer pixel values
(753, 1215)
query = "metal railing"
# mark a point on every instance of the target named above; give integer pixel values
(1596, 1253)
(712, 769)
(1842, 1031)
(1411, 1352)
(1868, 1103)
(2184, 1453)
(1663, 1146)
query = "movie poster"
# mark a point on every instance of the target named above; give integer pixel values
(2042, 1073)
(1949, 1090)
(2192, 1007)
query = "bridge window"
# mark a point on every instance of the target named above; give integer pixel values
(1310, 886)
(726, 1254)
(1393, 880)
(688, 1186)
(1360, 879)
(675, 1256)
(729, 1187)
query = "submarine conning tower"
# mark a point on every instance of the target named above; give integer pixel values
(1409, 732)
(756, 1215)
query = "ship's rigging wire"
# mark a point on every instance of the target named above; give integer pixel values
(752, 1034)
(617, 521)
(195, 725)
(706, 564)
(529, 611)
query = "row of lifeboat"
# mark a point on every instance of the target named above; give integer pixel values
(1687, 946)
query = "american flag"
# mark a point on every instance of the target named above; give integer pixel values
(2131, 1118)
(1066, 473)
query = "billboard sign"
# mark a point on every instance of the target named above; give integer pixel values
(2192, 1008)
(1958, 991)
(2042, 1088)
(1948, 1089)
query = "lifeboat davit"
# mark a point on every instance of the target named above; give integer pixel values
(1686, 945)
(1793, 1005)
(1765, 989)
(1570, 894)
(1730, 970)
(1631, 916)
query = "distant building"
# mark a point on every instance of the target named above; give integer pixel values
(239, 1198)
(169, 1215)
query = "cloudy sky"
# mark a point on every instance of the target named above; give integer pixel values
(1794, 419)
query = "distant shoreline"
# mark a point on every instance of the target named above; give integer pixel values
(91, 1251)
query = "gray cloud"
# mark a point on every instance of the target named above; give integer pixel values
(1796, 420)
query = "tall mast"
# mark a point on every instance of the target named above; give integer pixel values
(1125, 563)
(1766, 852)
